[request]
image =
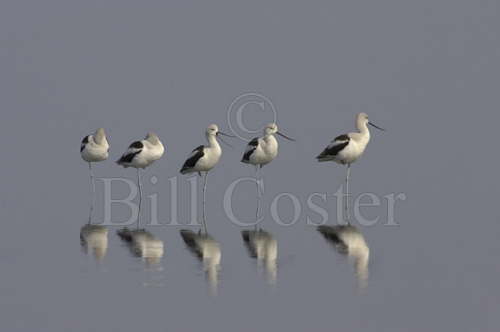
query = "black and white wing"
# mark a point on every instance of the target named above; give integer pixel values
(252, 145)
(193, 158)
(133, 150)
(331, 151)
(85, 141)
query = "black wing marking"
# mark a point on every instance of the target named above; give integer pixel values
(196, 155)
(337, 145)
(133, 150)
(252, 145)
(136, 145)
(342, 138)
(128, 157)
(85, 140)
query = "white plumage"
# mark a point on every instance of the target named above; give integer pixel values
(347, 148)
(204, 158)
(141, 154)
(95, 147)
(262, 150)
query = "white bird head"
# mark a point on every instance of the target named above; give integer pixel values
(363, 118)
(272, 128)
(362, 121)
(212, 130)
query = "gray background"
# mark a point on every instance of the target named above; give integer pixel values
(426, 70)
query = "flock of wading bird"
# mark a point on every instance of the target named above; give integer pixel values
(344, 149)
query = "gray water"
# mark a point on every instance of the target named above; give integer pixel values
(428, 71)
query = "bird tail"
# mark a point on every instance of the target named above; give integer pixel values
(122, 162)
(324, 157)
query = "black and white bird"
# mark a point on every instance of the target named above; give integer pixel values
(261, 151)
(94, 148)
(204, 158)
(141, 154)
(347, 148)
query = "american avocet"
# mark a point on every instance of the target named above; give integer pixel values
(347, 239)
(261, 151)
(94, 148)
(207, 250)
(263, 246)
(347, 148)
(204, 158)
(141, 154)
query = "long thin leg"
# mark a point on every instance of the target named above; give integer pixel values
(258, 196)
(140, 198)
(204, 199)
(347, 197)
(92, 192)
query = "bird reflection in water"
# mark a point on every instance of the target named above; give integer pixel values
(143, 244)
(262, 246)
(94, 238)
(348, 240)
(207, 250)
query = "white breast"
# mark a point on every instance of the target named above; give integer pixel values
(353, 150)
(266, 151)
(149, 154)
(94, 152)
(210, 159)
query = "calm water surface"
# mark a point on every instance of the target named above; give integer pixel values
(425, 70)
